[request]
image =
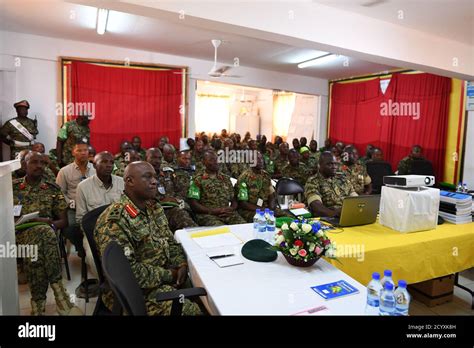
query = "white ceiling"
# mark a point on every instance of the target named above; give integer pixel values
(56, 18)
(451, 19)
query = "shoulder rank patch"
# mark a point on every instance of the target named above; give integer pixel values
(131, 211)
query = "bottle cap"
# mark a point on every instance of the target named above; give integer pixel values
(376, 275)
(388, 286)
(258, 211)
(387, 273)
(267, 210)
(402, 284)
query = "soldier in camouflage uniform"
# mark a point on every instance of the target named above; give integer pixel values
(295, 169)
(404, 166)
(325, 191)
(138, 224)
(71, 133)
(137, 146)
(51, 170)
(197, 156)
(178, 216)
(282, 159)
(20, 132)
(20, 173)
(368, 154)
(313, 151)
(308, 161)
(184, 174)
(211, 196)
(254, 190)
(123, 161)
(33, 193)
(355, 171)
(169, 156)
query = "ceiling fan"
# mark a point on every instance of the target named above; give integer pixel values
(216, 72)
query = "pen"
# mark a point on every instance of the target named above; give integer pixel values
(220, 256)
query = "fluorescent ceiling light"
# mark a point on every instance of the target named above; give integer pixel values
(318, 61)
(102, 17)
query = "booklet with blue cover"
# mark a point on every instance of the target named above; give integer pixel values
(334, 290)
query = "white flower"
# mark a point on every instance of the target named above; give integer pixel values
(306, 228)
(294, 226)
(284, 227)
(293, 251)
(331, 253)
(320, 233)
(279, 239)
(311, 246)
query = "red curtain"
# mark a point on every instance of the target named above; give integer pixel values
(128, 102)
(413, 110)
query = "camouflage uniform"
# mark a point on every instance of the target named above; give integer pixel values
(300, 173)
(198, 160)
(119, 165)
(182, 180)
(269, 164)
(330, 191)
(11, 133)
(149, 246)
(213, 191)
(236, 169)
(280, 163)
(404, 166)
(311, 164)
(142, 154)
(357, 174)
(71, 132)
(47, 198)
(178, 217)
(169, 164)
(251, 187)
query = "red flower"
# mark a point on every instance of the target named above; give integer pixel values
(302, 253)
(22, 186)
(298, 243)
(280, 233)
(326, 242)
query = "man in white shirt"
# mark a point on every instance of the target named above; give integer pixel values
(98, 190)
(68, 178)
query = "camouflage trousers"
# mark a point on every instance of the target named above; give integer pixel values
(154, 307)
(249, 214)
(47, 268)
(212, 220)
(179, 219)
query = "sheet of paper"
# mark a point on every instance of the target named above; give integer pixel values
(215, 238)
(298, 212)
(27, 217)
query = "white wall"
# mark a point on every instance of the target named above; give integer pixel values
(37, 77)
(468, 172)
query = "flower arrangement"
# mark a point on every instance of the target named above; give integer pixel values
(304, 242)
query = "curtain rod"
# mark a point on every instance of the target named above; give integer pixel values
(373, 75)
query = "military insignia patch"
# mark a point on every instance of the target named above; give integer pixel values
(131, 211)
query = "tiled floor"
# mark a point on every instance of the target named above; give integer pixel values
(461, 304)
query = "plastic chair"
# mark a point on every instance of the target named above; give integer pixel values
(377, 170)
(125, 287)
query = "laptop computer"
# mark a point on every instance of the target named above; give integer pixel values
(358, 210)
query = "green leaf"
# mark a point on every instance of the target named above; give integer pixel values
(289, 238)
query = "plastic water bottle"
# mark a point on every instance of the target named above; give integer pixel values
(403, 299)
(374, 289)
(262, 226)
(270, 227)
(387, 300)
(459, 187)
(255, 223)
(464, 188)
(387, 277)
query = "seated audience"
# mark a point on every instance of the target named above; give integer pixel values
(294, 169)
(355, 171)
(325, 191)
(210, 193)
(405, 164)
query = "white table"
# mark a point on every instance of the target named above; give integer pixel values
(265, 288)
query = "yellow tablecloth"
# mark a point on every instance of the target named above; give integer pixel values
(414, 257)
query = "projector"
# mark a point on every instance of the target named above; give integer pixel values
(409, 180)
